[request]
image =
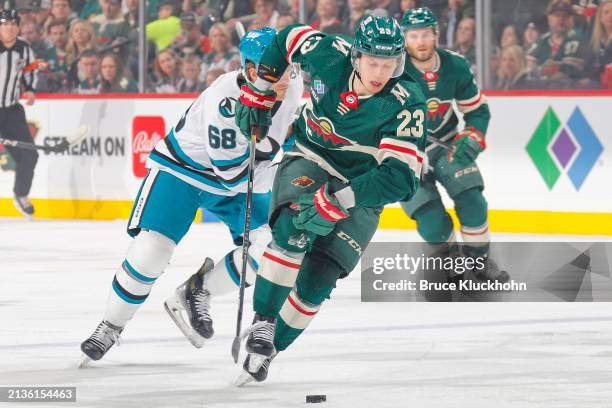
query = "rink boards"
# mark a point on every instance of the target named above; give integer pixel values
(547, 166)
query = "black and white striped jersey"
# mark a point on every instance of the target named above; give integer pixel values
(13, 77)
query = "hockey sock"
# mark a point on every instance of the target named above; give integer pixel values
(225, 276)
(471, 208)
(278, 271)
(314, 284)
(434, 224)
(146, 260)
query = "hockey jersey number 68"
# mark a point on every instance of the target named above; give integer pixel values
(206, 149)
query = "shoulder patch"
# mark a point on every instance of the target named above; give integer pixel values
(342, 45)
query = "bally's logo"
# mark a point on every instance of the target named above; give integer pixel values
(227, 106)
(147, 131)
(573, 148)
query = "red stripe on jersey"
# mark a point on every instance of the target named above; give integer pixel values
(465, 105)
(298, 308)
(401, 149)
(281, 261)
(295, 41)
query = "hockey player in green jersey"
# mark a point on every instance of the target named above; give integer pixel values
(444, 77)
(359, 146)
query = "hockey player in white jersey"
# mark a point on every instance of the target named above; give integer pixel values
(202, 163)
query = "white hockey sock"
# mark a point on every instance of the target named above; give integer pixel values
(225, 276)
(145, 261)
(477, 238)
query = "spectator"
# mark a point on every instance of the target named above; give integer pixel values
(449, 19)
(584, 13)
(110, 25)
(166, 28)
(61, 10)
(559, 55)
(24, 9)
(131, 15)
(212, 75)
(30, 31)
(531, 34)
(294, 9)
(54, 78)
(167, 70)
(357, 9)
(265, 15)
(223, 54)
(112, 78)
(191, 41)
(41, 10)
(601, 44)
(512, 73)
(89, 73)
(190, 72)
(328, 14)
(391, 6)
(465, 40)
(405, 5)
(90, 9)
(81, 37)
(508, 36)
(285, 20)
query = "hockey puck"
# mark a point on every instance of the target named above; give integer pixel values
(316, 398)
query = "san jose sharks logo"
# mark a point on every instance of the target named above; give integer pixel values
(322, 132)
(226, 107)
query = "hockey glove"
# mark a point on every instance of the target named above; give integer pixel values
(466, 146)
(319, 212)
(253, 110)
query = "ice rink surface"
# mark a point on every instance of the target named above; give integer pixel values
(55, 277)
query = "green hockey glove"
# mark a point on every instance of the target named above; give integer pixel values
(319, 212)
(466, 146)
(253, 110)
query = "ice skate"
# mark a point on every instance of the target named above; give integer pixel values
(255, 368)
(491, 272)
(261, 336)
(98, 344)
(192, 300)
(24, 206)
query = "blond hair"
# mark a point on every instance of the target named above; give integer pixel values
(517, 52)
(598, 30)
(72, 51)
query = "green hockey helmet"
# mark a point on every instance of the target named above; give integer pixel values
(421, 17)
(379, 37)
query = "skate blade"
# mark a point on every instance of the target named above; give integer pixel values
(244, 379)
(174, 307)
(85, 361)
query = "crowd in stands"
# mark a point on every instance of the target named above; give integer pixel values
(91, 46)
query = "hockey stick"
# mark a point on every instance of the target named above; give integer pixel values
(435, 141)
(74, 137)
(245, 241)
(240, 29)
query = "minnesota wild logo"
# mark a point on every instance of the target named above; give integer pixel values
(322, 132)
(436, 109)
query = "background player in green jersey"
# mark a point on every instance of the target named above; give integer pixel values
(359, 146)
(445, 77)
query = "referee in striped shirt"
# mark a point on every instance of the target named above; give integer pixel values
(15, 55)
